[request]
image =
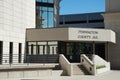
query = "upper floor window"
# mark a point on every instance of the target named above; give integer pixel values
(44, 14)
(46, 1)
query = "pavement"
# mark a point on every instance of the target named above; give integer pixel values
(111, 75)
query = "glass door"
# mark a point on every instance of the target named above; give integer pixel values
(73, 50)
(100, 49)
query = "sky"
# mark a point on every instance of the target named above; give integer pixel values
(81, 6)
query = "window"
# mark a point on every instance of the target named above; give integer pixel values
(10, 52)
(44, 14)
(56, 50)
(43, 49)
(32, 49)
(19, 52)
(74, 22)
(96, 21)
(51, 1)
(27, 48)
(1, 51)
(52, 50)
(46, 1)
(48, 49)
(38, 49)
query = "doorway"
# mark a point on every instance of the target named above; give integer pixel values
(73, 50)
(100, 50)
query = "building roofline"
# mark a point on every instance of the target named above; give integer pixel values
(83, 13)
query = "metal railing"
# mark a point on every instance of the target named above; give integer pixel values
(15, 58)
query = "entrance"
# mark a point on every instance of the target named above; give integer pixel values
(100, 50)
(73, 50)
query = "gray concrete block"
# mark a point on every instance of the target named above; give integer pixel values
(30, 74)
(57, 72)
(3, 75)
(17, 74)
(45, 72)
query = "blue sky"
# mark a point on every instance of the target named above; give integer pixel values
(81, 6)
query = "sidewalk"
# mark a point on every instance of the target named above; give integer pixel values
(112, 75)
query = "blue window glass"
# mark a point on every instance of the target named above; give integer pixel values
(39, 0)
(51, 17)
(44, 17)
(51, 1)
(46, 1)
(44, 14)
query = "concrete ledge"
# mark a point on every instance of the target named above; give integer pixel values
(27, 71)
(21, 67)
(25, 74)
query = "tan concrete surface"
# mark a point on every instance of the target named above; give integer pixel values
(112, 5)
(112, 21)
(112, 75)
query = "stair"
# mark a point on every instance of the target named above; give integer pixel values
(78, 69)
(58, 71)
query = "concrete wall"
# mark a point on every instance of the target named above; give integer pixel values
(15, 71)
(25, 74)
(91, 66)
(112, 21)
(54, 34)
(88, 64)
(65, 65)
(97, 35)
(98, 61)
(71, 34)
(29, 74)
(112, 5)
(15, 17)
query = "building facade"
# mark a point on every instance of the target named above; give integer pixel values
(47, 16)
(15, 17)
(73, 38)
(87, 20)
(45, 39)
(112, 21)
(72, 42)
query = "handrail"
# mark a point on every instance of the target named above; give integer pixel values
(88, 64)
(96, 61)
(88, 60)
(66, 65)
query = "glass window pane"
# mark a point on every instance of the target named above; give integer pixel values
(39, 0)
(44, 15)
(44, 8)
(44, 20)
(51, 1)
(50, 20)
(50, 9)
(44, 0)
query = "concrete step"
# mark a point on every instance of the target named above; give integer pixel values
(78, 69)
(57, 72)
(57, 69)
